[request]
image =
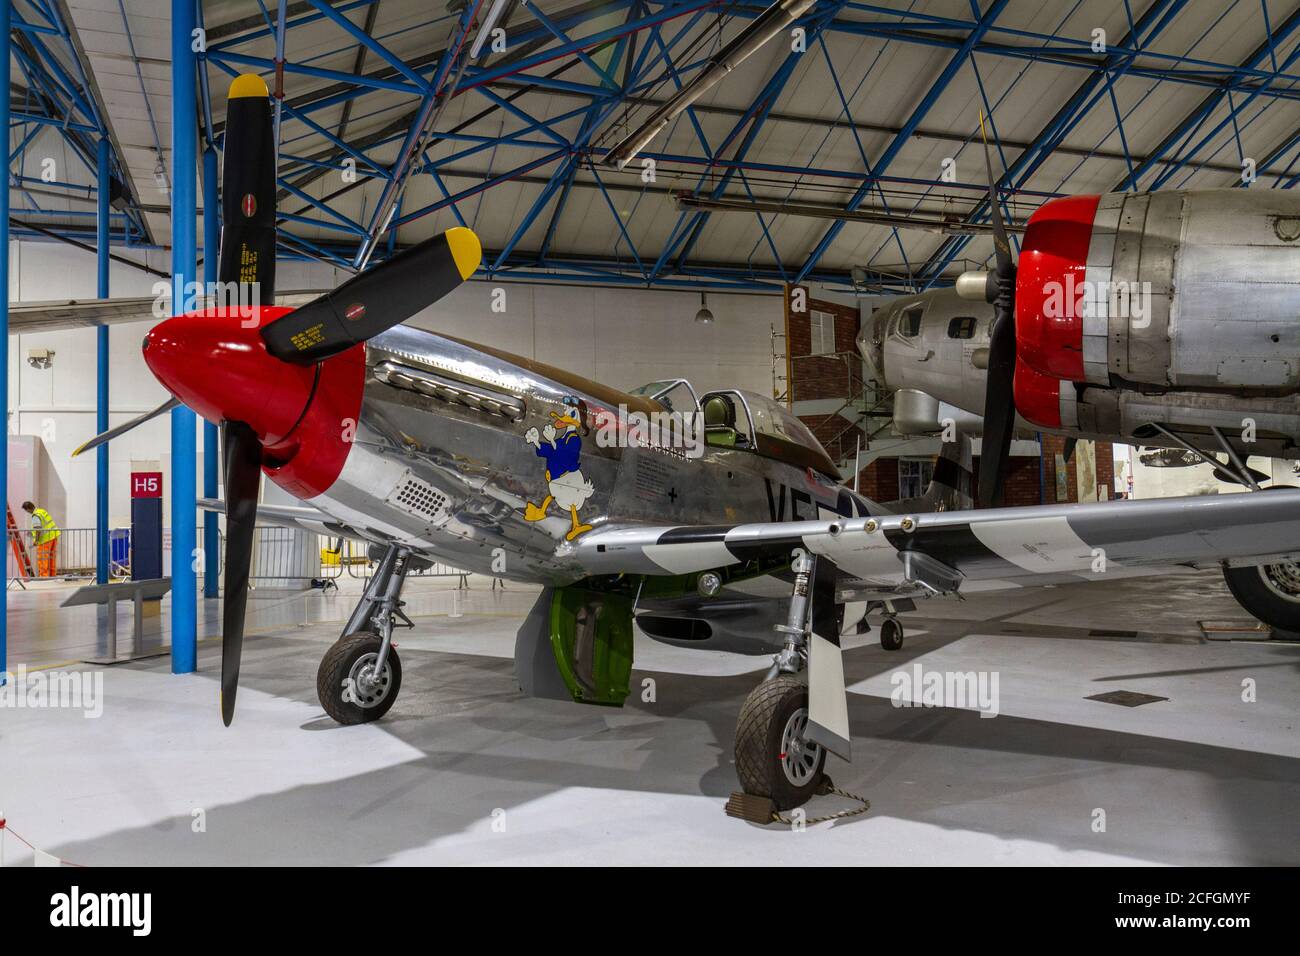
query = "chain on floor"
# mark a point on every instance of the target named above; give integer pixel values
(838, 815)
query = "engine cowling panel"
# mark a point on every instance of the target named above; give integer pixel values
(1179, 290)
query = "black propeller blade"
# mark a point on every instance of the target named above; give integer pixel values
(125, 427)
(999, 397)
(248, 189)
(247, 256)
(243, 460)
(248, 211)
(375, 300)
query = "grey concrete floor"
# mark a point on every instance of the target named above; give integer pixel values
(467, 770)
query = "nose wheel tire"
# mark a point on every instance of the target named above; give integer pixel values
(773, 757)
(891, 634)
(347, 685)
(1270, 592)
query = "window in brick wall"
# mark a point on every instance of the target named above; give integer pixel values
(823, 333)
(914, 475)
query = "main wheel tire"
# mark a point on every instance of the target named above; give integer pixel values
(340, 684)
(891, 634)
(1270, 592)
(772, 757)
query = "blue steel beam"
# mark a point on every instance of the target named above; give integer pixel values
(1207, 106)
(102, 553)
(386, 206)
(184, 256)
(211, 451)
(931, 97)
(1153, 21)
(685, 236)
(1234, 109)
(6, 72)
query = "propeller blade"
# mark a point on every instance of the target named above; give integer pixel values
(1068, 452)
(1001, 247)
(999, 405)
(243, 460)
(999, 395)
(375, 300)
(248, 190)
(122, 429)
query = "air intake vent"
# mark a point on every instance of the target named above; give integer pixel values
(417, 497)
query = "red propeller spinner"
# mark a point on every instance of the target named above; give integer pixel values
(216, 362)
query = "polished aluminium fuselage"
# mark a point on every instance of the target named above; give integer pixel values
(1217, 344)
(440, 463)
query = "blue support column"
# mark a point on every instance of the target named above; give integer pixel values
(184, 256)
(5, 71)
(211, 243)
(102, 555)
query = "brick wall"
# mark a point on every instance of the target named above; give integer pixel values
(816, 377)
(879, 480)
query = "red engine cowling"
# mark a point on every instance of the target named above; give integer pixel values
(1044, 400)
(1050, 287)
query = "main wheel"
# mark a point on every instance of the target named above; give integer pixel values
(347, 685)
(773, 758)
(1271, 592)
(891, 634)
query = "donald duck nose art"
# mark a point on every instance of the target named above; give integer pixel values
(561, 445)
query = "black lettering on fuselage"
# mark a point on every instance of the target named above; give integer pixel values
(775, 504)
(801, 503)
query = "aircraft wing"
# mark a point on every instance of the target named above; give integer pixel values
(89, 313)
(981, 549)
(292, 516)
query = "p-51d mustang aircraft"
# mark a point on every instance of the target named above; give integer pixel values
(432, 448)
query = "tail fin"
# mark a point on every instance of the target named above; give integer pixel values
(951, 487)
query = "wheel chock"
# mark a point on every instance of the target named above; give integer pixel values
(754, 809)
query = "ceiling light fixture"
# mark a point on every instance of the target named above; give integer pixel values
(704, 316)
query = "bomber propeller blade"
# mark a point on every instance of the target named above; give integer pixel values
(999, 396)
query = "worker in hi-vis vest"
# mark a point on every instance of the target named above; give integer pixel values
(46, 535)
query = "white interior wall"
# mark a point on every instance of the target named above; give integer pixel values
(621, 337)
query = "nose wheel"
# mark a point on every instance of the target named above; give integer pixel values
(350, 687)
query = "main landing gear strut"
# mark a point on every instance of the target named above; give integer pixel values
(779, 764)
(1269, 592)
(359, 677)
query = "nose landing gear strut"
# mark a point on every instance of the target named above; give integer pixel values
(361, 674)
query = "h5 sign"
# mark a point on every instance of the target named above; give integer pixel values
(146, 484)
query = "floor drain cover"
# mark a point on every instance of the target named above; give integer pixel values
(1126, 698)
(1235, 630)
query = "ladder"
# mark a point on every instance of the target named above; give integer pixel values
(21, 556)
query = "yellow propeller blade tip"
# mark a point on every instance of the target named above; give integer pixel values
(248, 84)
(465, 249)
